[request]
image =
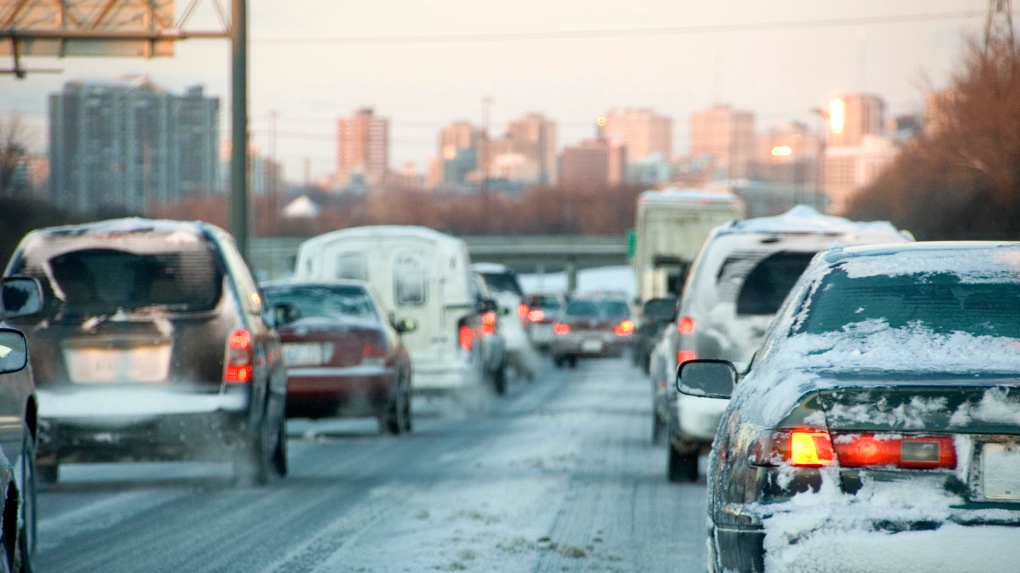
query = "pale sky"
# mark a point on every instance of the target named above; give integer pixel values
(779, 73)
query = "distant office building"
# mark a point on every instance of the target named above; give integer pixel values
(852, 117)
(127, 143)
(459, 146)
(653, 169)
(363, 147)
(534, 138)
(594, 162)
(727, 136)
(265, 176)
(643, 131)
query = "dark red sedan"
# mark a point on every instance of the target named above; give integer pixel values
(344, 355)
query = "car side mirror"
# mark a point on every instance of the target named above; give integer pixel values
(285, 313)
(706, 378)
(13, 350)
(406, 325)
(21, 296)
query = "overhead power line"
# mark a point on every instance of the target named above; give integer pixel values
(623, 32)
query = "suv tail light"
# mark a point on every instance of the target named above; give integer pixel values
(465, 337)
(489, 323)
(240, 358)
(685, 356)
(686, 325)
(561, 328)
(906, 452)
(625, 328)
(522, 312)
(536, 315)
(807, 447)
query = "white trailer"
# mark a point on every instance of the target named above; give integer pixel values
(670, 228)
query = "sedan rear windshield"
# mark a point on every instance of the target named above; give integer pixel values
(608, 309)
(324, 301)
(103, 281)
(939, 302)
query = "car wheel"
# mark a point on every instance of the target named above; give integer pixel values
(280, 454)
(48, 473)
(558, 361)
(22, 562)
(394, 419)
(657, 429)
(572, 361)
(499, 380)
(682, 467)
(251, 463)
(407, 407)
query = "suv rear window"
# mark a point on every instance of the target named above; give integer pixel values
(502, 282)
(770, 281)
(103, 281)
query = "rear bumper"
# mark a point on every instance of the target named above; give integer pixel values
(353, 391)
(108, 425)
(589, 345)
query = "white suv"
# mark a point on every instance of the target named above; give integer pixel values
(735, 286)
(513, 316)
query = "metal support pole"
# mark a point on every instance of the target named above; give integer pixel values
(239, 211)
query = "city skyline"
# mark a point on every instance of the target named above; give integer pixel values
(778, 73)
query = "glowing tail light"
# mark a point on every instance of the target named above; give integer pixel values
(465, 337)
(802, 448)
(373, 354)
(240, 358)
(685, 356)
(536, 315)
(625, 328)
(489, 323)
(686, 325)
(522, 311)
(896, 450)
(561, 328)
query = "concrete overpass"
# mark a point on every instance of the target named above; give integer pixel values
(274, 257)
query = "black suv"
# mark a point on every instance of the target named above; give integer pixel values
(152, 344)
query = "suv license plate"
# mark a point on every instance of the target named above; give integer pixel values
(591, 346)
(1001, 471)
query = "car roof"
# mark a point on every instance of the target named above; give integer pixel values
(805, 220)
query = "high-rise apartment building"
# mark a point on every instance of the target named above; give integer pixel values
(594, 162)
(727, 135)
(534, 138)
(459, 148)
(127, 143)
(643, 131)
(852, 117)
(363, 147)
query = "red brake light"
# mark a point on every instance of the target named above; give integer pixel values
(625, 328)
(561, 328)
(907, 452)
(536, 315)
(686, 325)
(239, 358)
(685, 356)
(802, 448)
(465, 337)
(489, 322)
(373, 353)
(522, 310)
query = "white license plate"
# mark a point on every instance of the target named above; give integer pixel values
(1001, 471)
(591, 346)
(104, 365)
(302, 353)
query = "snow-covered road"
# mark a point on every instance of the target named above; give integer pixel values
(559, 475)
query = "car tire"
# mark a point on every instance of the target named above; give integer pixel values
(251, 463)
(658, 428)
(681, 468)
(48, 473)
(499, 380)
(572, 361)
(280, 465)
(408, 424)
(558, 361)
(393, 422)
(22, 561)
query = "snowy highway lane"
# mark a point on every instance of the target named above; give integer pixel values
(559, 475)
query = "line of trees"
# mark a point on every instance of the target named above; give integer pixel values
(961, 179)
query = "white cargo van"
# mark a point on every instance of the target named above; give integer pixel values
(421, 274)
(671, 225)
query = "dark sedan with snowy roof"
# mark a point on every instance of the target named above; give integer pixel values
(878, 427)
(344, 354)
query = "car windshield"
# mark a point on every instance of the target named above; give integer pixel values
(938, 302)
(502, 282)
(103, 281)
(324, 301)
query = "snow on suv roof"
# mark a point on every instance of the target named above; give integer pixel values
(804, 219)
(691, 195)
